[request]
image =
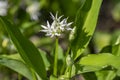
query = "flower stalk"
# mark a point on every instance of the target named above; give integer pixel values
(55, 29)
(55, 58)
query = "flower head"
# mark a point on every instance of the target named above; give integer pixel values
(57, 26)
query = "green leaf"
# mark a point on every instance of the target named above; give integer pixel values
(46, 62)
(53, 77)
(109, 75)
(90, 76)
(17, 66)
(85, 24)
(106, 49)
(116, 47)
(115, 35)
(101, 61)
(105, 75)
(87, 68)
(13, 56)
(26, 49)
(101, 39)
(116, 50)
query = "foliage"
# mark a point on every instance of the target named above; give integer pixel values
(26, 51)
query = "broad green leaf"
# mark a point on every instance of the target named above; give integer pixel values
(101, 61)
(87, 68)
(105, 75)
(26, 49)
(17, 57)
(85, 24)
(109, 75)
(17, 66)
(115, 50)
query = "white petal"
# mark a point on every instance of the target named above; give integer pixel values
(57, 34)
(62, 25)
(62, 29)
(52, 35)
(48, 24)
(43, 26)
(56, 15)
(60, 17)
(53, 25)
(44, 30)
(69, 29)
(63, 21)
(52, 16)
(66, 19)
(69, 23)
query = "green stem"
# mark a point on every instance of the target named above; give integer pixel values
(55, 58)
(63, 67)
(70, 70)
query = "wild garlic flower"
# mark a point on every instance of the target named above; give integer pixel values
(57, 26)
(33, 10)
(3, 8)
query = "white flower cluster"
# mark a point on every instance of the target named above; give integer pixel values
(33, 10)
(57, 27)
(3, 8)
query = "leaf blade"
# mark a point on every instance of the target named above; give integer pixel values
(100, 61)
(85, 26)
(26, 49)
(17, 66)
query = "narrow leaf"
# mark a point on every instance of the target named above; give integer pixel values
(85, 24)
(27, 50)
(17, 66)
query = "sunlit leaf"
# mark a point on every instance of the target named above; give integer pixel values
(85, 24)
(101, 60)
(105, 75)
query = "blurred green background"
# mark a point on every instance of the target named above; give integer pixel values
(28, 15)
